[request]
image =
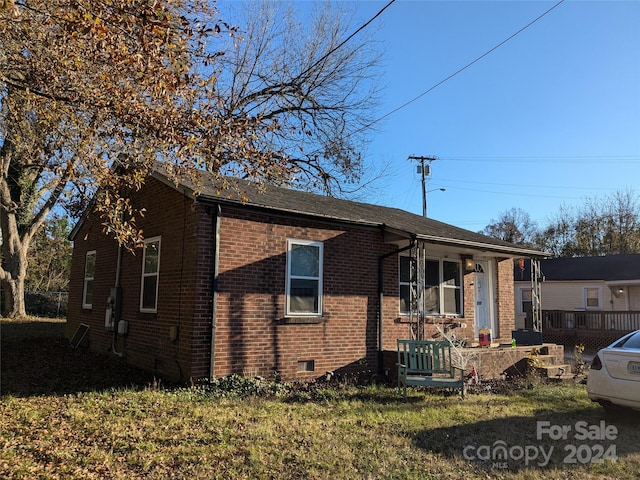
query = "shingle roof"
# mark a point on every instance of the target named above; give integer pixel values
(609, 268)
(319, 206)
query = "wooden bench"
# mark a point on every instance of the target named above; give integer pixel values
(427, 363)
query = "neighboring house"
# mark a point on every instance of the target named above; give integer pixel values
(278, 280)
(589, 300)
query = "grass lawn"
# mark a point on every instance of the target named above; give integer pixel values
(73, 415)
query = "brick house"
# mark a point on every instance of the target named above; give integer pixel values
(280, 281)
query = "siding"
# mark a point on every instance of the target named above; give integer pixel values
(634, 298)
(570, 296)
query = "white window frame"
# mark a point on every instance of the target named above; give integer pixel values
(441, 287)
(402, 283)
(289, 277)
(521, 292)
(146, 275)
(88, 278)
(586, 298)
(444, 286)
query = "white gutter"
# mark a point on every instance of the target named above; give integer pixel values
(615, 283)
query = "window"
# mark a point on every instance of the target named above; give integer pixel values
(630, 341)
(526, 302)
(406, 274)
(306, 365)
(442, 286)
(150, 274)
(304, 278)
(451, 287)
(89, 272)
(432, 286)
(592, 298)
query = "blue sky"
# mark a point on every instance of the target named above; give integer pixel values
(549, 118)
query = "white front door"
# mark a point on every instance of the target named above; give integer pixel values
(482, 286)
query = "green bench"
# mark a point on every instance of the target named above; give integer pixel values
(427, 363)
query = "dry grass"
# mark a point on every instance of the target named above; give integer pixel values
(101, 429)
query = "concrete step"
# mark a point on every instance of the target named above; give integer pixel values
(555, 371)
(550, 359)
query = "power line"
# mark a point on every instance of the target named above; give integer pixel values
(461, 69)
(553, 187)
(513, 194)
(586, 159)
(362, 27)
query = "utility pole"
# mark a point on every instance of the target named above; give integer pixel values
(424, 173)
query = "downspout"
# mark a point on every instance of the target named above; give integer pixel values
(114, 338)
(381, 296)
(215, 223)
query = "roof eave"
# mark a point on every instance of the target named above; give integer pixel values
(513, 251)
(487, 247)
(206, 199)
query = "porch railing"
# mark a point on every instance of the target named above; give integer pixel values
(590, 320)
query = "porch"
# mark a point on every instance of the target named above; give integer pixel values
(593, 329)
(495, 361)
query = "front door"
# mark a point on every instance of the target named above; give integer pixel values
(482, 286)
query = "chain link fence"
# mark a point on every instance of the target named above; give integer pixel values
(47, 304)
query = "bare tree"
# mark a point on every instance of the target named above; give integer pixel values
(557, 237)
(622, 220)
(606, 226)
(514, 225)
(589, 230)
(317, 92)
(94, 94)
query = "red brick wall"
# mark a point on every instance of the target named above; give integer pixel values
(173, 217)
(90, 237)
(392, 328)
(252, 335)
(468, 329)
(504, 300)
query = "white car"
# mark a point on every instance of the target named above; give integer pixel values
(614, 377)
